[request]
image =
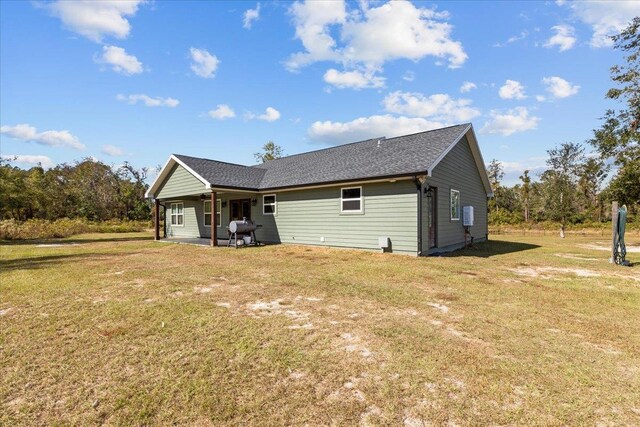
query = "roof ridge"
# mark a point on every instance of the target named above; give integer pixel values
(427, 131)
(213, 160)
(321, 149)
(360, 142)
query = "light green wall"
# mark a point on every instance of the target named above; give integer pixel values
(305, 216)
(180, 183)
(192, 215)
(457, 171)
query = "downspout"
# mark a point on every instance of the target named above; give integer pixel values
(419, 194)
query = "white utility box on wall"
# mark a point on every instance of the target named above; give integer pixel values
(467, 216)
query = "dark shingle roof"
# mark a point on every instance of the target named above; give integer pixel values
(224, 174)
(359, 160)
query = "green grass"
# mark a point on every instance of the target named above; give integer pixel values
(118, 329)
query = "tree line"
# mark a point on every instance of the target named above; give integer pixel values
(570, 190)
(87, 189)
(567, 192)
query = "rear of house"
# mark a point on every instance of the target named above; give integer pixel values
(405, 194)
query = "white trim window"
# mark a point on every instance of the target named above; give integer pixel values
(206, 216)
(177, 214)
(455, 205)
(351, 200)
(207, 213)
(269, 204)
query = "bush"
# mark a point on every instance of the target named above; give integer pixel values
(60, 228)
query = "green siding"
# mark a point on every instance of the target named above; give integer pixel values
(180, 183)
(457, 171)
(191, 219)
(305, 216)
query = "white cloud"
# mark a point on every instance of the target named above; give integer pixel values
(251, 15)
(467, 87)
(513, 39)
(29, 160)
(204, 64)
(365, 36)
(540, 98)
(96, 19)
(512, 89)
(564, 38)
(438, 107)
(112, 150)
(270, 115)
(221, 112)
(120, 61)
(312, 21)
(559, 87)
(52, 138)
(606, 18)
(513, 121)
(353, 79)
(409, 76)
(368, 127)
(149, 101)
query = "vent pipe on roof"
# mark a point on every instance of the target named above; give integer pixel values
(380, 141)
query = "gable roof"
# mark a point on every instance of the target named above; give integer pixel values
(224, 174)
(374, 158)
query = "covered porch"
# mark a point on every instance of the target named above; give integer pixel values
(190, 219)
(197, 208)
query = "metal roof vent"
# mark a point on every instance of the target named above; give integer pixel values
(380, 141)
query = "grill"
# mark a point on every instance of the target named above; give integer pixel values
(242, 233)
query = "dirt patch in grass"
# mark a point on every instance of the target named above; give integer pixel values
(577, 257)
(553, 272)
(6, 311)
(606, 246)
(440, 307)
(164, 337)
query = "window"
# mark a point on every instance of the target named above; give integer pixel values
(207, 213)
(177, 214)
(455, 205)
(269, 204)
(351, 200)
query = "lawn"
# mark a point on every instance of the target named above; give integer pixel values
(120, 330)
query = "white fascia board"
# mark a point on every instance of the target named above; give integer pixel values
(165, 171)
(475, 151)
(477, 155)
(159, 178)
(206, 183)
(445, 152)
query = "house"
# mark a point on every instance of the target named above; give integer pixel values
(407, 193)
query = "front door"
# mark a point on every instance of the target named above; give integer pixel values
(432, 211)
(239, 209)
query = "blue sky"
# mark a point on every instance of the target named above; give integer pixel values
(138, 80)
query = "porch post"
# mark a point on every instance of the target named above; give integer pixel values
(214, 226)
(156, 235)
(164, 222)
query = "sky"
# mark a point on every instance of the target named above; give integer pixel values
(138, 80)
